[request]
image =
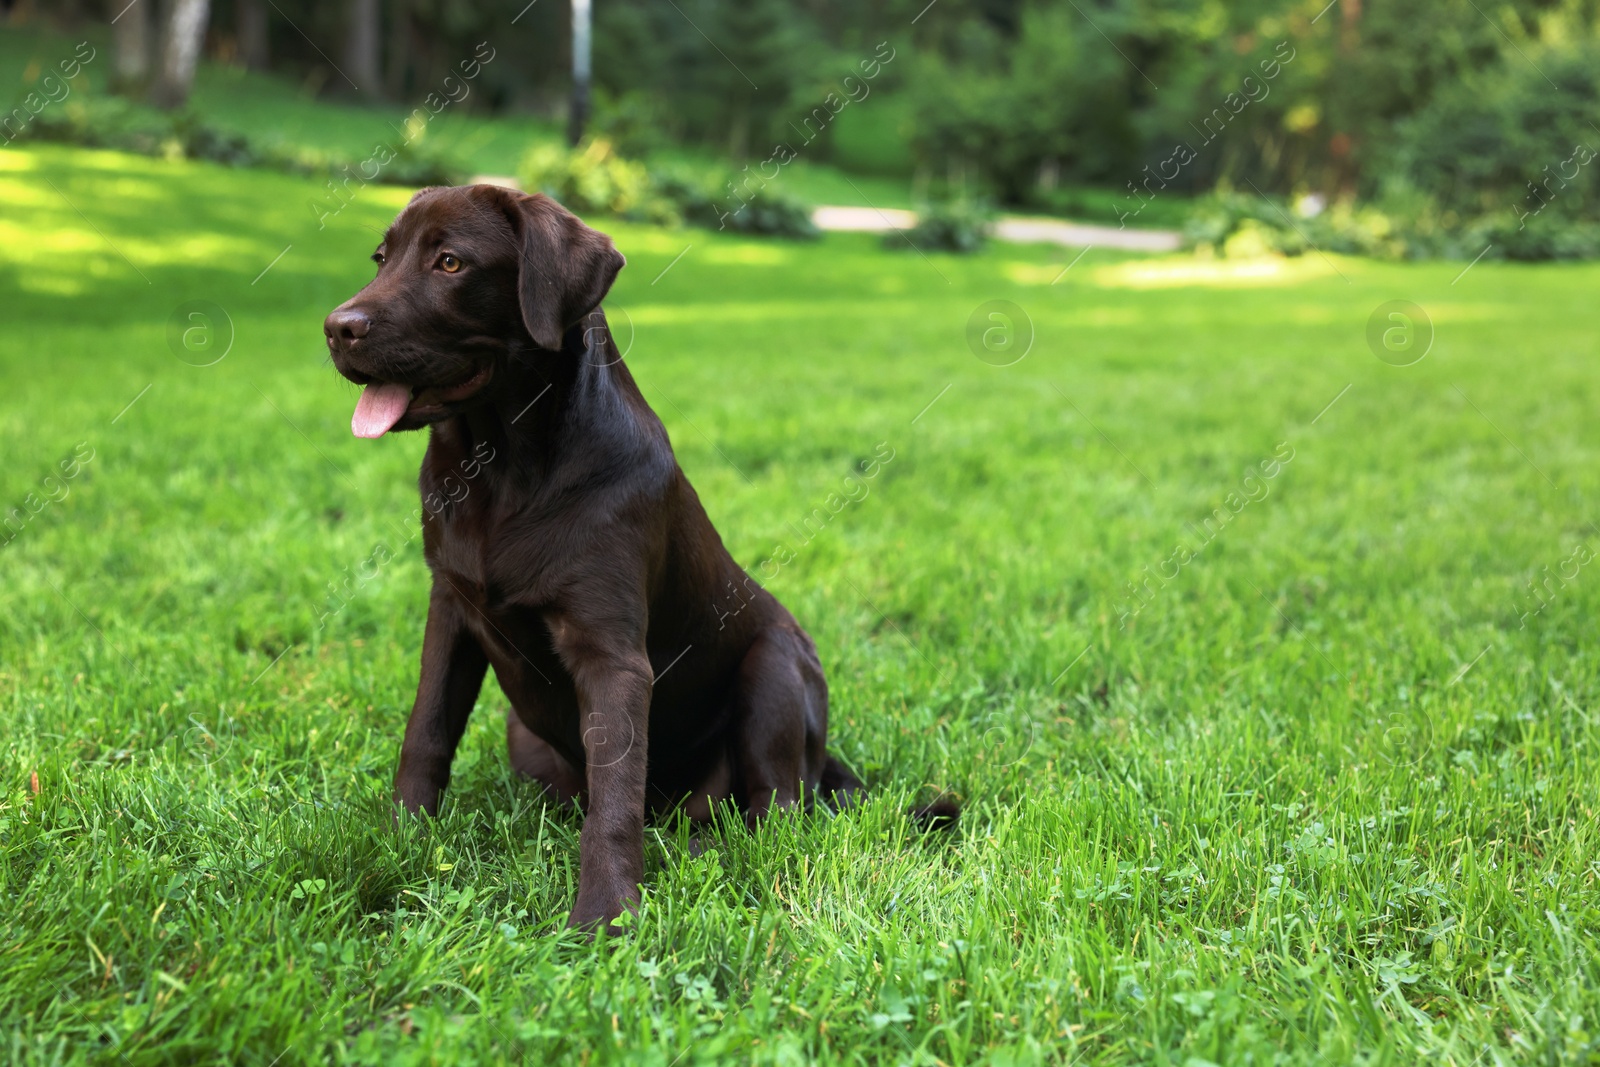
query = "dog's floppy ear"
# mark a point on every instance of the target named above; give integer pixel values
(565, 267)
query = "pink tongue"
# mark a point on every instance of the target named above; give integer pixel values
(379, 408)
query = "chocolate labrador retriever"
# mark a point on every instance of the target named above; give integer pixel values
(568, 550)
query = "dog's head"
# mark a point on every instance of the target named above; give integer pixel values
(466, 275)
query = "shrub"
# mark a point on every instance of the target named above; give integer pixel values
(670, 194)
(771, 213)
(692, 194)
(105, 122)
(960, 226)
(1402, 224)
(1544, 237)
(416, 165)
(593, 178)
(112, 122)
(1239, 225)
(1507, 141)
(699, 198)
(1234, 224)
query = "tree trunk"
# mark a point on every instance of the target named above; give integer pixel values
(361, 46)
(130, 38)
(399, 51)
(739, 130)
(579, 117)
(180, 53)
(252, 18)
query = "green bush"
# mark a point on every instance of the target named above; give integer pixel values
(1402, 224)
(961, 226)
(771, 213)
(1545, 237)
(701, 198)
(113, 122)
(1233, 224)
(107, 122)
(1240, 225)
(692, 194)
(1509, 141)
(594, 179)
(1502, 163)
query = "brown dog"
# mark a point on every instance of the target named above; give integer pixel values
(568, 550)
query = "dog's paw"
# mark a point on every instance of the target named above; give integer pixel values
(416, 796)
(612, 913)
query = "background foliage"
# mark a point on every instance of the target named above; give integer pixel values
(1451, 117)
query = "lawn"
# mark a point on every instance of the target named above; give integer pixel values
(1324, 792)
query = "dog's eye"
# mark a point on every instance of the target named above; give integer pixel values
(377, 257)
(449, 264)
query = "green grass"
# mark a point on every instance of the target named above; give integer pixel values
(1322, 801)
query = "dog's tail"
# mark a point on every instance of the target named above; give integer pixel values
(841, 788)
(942, 814)
(838, 786)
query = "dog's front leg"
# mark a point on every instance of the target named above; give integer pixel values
(614, 701)
(453, 666)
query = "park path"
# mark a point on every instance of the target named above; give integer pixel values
(1017, 229)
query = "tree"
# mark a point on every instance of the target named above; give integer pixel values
(361, 45)
(251, 16)
(398, 55)
(180, 55)
(130, 34)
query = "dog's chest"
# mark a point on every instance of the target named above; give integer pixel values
(496, 561)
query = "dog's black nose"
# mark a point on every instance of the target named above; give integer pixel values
(346, 325)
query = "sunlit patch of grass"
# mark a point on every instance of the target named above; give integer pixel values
(1186, 271)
